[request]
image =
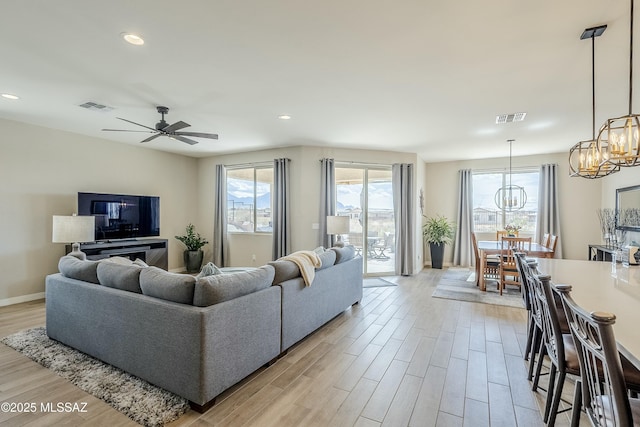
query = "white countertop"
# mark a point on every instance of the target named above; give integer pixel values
(603, 286)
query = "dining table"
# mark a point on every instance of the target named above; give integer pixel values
(495, 247)
(603, 286)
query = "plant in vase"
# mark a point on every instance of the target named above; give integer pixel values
(512, 229)
(193, 255)
(437, 231)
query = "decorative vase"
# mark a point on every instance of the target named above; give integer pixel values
(193, 260)
(437, 254)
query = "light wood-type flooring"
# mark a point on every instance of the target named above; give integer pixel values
(399, 358)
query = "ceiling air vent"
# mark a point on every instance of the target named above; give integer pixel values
(94, 106)
(508, 118)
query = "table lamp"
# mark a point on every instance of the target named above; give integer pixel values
(338, 225)
(74, 229)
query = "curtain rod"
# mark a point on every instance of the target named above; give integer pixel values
(520, 168)
(244, 165)
(351, 162)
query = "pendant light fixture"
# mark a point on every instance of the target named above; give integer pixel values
(618, 137)
(510, 197)
(585, 158)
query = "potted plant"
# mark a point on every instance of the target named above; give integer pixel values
(512, 230)
(437, 231)
(193, 255)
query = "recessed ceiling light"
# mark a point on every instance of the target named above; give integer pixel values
(284, 117)
(9, 96)
(133, 39)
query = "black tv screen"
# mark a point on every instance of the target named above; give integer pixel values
(120, 216)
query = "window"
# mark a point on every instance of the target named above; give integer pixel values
(487, 217)
(249, 199)
(364, 193)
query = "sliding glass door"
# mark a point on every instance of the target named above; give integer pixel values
(364, 194)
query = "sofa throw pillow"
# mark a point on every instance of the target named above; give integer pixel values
(319, 250)
(209, 269)
(118, 260)
(328, 259)
(284, 270)
(124, 277)
(158, 283)
(344, 254)
(75, 268)
(215, 289)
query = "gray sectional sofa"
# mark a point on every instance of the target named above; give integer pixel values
(195, 337)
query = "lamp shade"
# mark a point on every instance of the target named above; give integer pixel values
(72, 229)
(337, 224)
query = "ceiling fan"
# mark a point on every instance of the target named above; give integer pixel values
(163, 128)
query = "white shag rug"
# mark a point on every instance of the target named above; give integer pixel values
(144, 403)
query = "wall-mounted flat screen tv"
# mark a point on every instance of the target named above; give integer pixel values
(121, 216)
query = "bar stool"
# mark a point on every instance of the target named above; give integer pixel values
(558, 346)
(604, 390)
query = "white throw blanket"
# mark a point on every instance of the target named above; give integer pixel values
(307, 262)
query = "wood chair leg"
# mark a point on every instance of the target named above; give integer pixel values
(557, 395)
(550, 394)
(535, 345)
(541, 353)
(530, 331)
(577, 404)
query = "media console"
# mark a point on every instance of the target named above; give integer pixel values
(152, 251)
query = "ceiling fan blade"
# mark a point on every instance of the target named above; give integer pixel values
(137, 124)
(127, 130)
(152, 137)
(176, 126)
(198, 134)
(183, 139)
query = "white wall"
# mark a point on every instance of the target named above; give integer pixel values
(579, 198)
(305, 197)
(41, 171)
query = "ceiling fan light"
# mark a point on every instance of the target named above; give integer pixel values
(133, 39)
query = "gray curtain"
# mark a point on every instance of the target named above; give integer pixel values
(548, 207)
(462, 250)
(403, 209)
(220, 242)
(281, 212)
(327, 199)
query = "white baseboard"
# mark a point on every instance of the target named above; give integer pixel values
(22, 298)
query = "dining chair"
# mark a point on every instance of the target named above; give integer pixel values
(487, 267)
(604, 389)
(552, 243)
(508, 270)
(504, 233)
(526, 269)
(545, 240)
(557, 346)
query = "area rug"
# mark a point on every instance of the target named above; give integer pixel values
(144, 403)
(459, 284)
(376, 282)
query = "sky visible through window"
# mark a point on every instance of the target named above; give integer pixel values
(487, 215)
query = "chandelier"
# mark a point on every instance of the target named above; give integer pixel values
(510, 197)
(586, 158)
(618, 137)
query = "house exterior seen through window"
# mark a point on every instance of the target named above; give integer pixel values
(488, 217)
(249, 192)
